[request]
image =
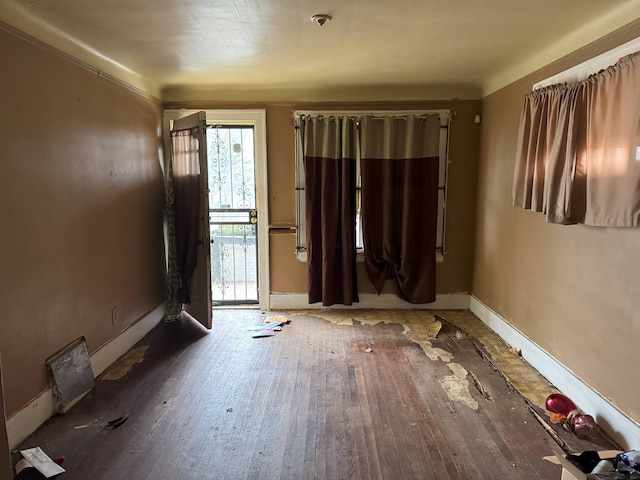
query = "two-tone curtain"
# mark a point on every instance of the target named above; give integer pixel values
(329, 156)
(578, 154)
(400, 163)
(185, 183)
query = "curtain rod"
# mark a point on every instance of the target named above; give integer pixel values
(399, 117)
(358, 113)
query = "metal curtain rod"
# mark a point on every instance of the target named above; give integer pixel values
(359, 113)
(404, 117)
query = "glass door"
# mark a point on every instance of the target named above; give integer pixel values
(233, 215)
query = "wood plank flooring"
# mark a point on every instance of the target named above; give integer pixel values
(309, 403)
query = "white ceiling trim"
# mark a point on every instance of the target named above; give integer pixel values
(22, 23)
(582, 71)
(588, 33)
(18, 15)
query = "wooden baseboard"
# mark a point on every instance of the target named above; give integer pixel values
(25, 421)
(300, 301)
(622, 428)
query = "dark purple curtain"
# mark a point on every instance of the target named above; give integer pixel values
(400, 165)
(329, 155)
(186, 207)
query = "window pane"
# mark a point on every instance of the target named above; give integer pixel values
(231, 167)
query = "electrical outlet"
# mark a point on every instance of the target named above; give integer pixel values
(114, 315)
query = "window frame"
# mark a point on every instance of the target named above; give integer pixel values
(445, 127)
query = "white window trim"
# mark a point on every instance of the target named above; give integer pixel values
(445, 120)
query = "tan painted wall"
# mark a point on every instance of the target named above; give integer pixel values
(454, 275)
(287, 274)
(82, 211)
(574, 290)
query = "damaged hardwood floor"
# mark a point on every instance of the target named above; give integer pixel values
(309, 403)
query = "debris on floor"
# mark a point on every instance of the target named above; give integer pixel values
(600, 465)
(37, 464)
(516, 351)
(368, 350)
(556, 418)
(116, 422)
(460, 334)
(577, 421)
(277, 318)
(267, 326)
(272, 324)
(263, 333)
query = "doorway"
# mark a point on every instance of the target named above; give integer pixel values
(233, 215)
(236, 200)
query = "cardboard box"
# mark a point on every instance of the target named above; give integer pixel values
(569, 470)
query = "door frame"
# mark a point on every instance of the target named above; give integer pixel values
(257, 119)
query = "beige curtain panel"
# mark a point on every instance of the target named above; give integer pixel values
(578, 154)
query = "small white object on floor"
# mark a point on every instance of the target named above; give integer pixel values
(42, 462)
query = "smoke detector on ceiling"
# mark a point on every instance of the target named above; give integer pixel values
(321, 18)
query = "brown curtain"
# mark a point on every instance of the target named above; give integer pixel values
(186, 207)
(399, 162)
(578, 154)
(329, 155)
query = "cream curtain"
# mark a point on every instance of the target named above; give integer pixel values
(578, 154)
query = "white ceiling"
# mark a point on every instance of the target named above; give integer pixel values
(271, 48)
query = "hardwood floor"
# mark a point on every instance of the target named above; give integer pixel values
(308, 403)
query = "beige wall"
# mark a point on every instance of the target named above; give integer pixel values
(82, 211)
(287, 274)
(454, 275)
(574, 290)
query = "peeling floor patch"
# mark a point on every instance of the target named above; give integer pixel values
(420, 327)
(526, 380)
(456, 386)
(125, 364)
